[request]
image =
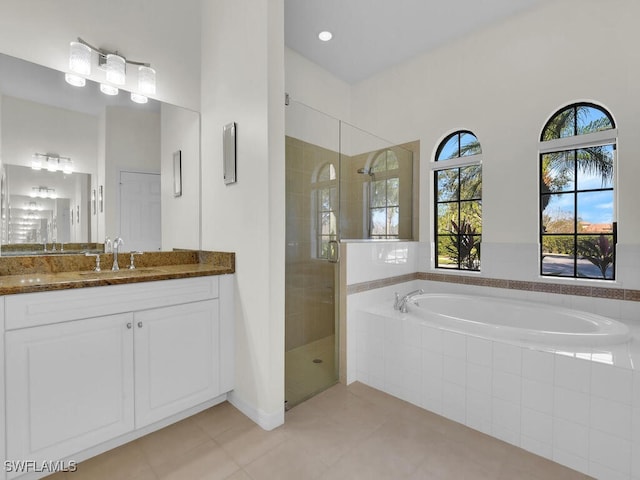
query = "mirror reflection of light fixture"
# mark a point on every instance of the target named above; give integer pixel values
(114, 64)
(42, 192)
(51, 162)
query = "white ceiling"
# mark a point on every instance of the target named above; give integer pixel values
(372, 35)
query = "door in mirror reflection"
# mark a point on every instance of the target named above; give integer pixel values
(140, 212)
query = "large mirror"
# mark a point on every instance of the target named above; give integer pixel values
(79, 166)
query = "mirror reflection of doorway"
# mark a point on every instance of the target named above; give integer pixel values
(140, 211)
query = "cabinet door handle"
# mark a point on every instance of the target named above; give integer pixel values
(129, 325)
(139, 324)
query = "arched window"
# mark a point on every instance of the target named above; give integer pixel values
(577, 200)
(458, 202)
(384, 201)
(326, 203)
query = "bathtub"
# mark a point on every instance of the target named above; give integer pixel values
(559, 383)
(518, 321)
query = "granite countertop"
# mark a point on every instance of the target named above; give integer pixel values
(41, 273)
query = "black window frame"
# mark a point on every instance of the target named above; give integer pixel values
(458, 237)
(575, 191)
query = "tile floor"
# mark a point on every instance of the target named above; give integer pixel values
(352, 432)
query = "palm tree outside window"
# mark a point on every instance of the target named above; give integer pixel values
(578, 231)
(458, 202)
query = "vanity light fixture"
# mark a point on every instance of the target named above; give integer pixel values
(115, 68)
(136, 97)
(108, 89)
(114, 64)
(42, 192)
(51, 162)
(79, 64)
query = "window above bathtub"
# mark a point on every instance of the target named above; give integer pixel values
(578, 228)
(457, 173)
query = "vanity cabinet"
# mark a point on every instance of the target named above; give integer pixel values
(74, 383)
(68, 386)
(176, 359)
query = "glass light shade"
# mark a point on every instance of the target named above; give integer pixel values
(108, 89)
(136, 97)
(36, 162)
(67, 166)
(115, 69)
(74, 80)
(80, 58)
(52, 164)
(146, 80)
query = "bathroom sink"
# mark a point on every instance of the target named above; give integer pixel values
(123, 272)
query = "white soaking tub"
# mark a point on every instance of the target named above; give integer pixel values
(516, 320)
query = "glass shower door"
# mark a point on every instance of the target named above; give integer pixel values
(311, 270)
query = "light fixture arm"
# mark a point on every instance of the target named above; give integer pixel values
(51, 156)
(102, 55)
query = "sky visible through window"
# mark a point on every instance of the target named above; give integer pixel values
(577, 196)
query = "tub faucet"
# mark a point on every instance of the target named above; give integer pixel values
(401, 302)
(117, 243)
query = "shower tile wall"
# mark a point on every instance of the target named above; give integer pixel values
(354, 193)
(310, 301)
(310, 298)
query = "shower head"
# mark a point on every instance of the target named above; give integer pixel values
(365, 171)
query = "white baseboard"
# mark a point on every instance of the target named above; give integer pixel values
(267, 421)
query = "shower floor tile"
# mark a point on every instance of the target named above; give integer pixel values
(303, 377)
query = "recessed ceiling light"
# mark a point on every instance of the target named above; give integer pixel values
(325, 36)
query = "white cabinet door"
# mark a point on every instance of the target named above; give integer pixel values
(69, 386)
(176, 359)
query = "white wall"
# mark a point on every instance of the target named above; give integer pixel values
(180, 130)
(165, 33)
(318, 100)
(243, 81)
(242, 75)
(30, 127)
(133, 144)
(503, 84)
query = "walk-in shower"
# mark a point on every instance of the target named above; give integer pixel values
(341, 183)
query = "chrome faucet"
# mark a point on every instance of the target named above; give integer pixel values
(117, 243)
(401, 302)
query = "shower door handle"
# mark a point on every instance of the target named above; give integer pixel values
(334, 251)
